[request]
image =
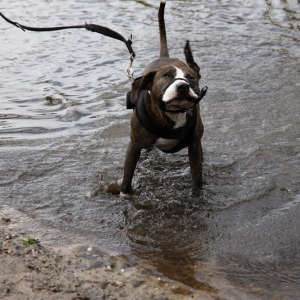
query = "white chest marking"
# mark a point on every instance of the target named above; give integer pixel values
(165, 144)
(168, 144)
(178, 118)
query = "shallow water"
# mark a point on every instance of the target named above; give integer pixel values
(64, 132)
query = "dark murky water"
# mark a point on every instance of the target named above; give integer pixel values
(64, 132)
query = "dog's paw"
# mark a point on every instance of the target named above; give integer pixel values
(197, 192)
(124, 195)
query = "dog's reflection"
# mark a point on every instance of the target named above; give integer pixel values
(172, 236)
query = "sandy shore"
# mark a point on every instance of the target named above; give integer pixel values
(40, 271)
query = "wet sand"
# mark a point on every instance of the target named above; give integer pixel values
(42, 271)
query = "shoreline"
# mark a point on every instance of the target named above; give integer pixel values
(41, 271)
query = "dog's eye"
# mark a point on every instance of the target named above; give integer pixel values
(191, 77)
(166, 75)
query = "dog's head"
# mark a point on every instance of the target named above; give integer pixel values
(173, 85)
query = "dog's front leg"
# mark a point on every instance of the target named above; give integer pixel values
(132, 157)
(196, 158)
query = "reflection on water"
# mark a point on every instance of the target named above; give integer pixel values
(64, 131)
(179, 266)
(170, 234)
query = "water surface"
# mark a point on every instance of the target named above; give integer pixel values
(64, 130)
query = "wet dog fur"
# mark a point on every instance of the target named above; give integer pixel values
(158, 78)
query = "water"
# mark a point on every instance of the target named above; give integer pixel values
(64, 132)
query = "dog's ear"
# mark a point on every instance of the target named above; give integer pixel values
(141, 83)
(190, 59)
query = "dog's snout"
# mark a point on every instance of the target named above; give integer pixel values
(183, 88)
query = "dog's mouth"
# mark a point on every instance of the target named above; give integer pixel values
(179, 104)
(179, 96)
(181, 101)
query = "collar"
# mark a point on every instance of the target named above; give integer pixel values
(163, 132)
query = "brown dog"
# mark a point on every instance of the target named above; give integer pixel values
(167, 113)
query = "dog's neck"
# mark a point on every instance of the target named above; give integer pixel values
(165, 119)
(162, 118)
(178, 118)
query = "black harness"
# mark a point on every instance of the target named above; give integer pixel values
(184, 134)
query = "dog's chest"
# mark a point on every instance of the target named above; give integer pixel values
(168, 144)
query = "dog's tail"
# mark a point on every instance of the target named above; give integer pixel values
(162, 30)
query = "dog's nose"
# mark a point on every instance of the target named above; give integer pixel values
(183, 88)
